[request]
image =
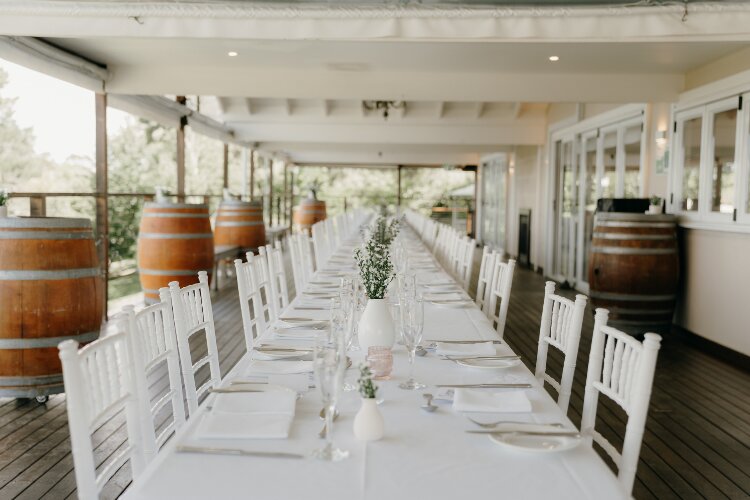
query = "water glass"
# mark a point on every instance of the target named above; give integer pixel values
(329, 363)
(412, 325)
(407, 284)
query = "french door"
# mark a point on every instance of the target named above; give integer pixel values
(493, 193)
(566, 210)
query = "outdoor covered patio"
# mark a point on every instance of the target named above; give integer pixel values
(513, 145)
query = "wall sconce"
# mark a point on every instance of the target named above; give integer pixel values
(661, 137)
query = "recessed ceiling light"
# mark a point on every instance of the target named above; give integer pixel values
(232, 53)
(554, 58)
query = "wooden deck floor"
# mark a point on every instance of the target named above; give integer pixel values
(697, 441)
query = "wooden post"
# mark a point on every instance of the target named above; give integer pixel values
(398, 199)
(252, 175)
(291, 200)
(37, 206)
(270, 193)
(286, 188)
(226, 165)
(181, 153)
(102, 191)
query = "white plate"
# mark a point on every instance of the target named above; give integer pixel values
(281, 354)
(304, 321)
(535, 443)
(489, 364)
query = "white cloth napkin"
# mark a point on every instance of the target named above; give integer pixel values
(297, 333)
(255, 415)
(260, 367)
(450, 349)
(482, 400)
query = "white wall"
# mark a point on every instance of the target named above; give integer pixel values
(524, 180)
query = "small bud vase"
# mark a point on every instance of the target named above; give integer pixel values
(368, 423)
(376, 326)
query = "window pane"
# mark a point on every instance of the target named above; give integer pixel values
(691, 149)
(609, 178)
(632, 161)
(722, 175)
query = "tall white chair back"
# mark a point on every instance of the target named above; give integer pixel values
(465, 262)
(255, 312)
(499, 296)
(484, 281)
(296, 257)
(320, 243)
(277, 273)
(193, 314)
(98, 386)
(308, 259)
(622, 369)
(152, 334)
(262, 275)
(561, 324)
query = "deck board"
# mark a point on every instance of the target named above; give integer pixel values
(696, 444)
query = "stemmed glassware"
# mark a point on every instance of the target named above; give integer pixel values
(329, 362)
(407, 284)
(412, 323)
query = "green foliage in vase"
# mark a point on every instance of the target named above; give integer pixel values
(3, 197)
(375, 268)
(367, 389)
(384, 231)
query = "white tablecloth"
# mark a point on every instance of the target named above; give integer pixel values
(422, 456)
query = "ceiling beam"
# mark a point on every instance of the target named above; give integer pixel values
(288, 108)
(423, 86)
(517, 110)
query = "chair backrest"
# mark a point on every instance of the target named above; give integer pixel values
(99, 386)
(193, 314)
(263, 279)
(561, 324)
(152, 335)
(277, 273)
(621, 368)
(296, 258)
(465, 261)
(255, 312)
(308, 259)
(484, 281)
(499, 296)
(320, 243)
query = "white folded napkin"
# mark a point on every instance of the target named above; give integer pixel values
(260, 367)
(223, 425)
(450, 349)
(297, 333)
(447, 297)
(279, 400)
(482, 400)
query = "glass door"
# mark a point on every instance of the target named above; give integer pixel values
(589, 187)
(566, 210)
(493, 201)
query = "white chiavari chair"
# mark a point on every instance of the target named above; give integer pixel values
(320, 243)
(308, 259)
(99, 386)
(621, 368)
(255, 314)
(484, 281)
(263, 281)
(193, 314)
(499, 296)
(298, 272)
(466, 262)
(152, 335)
(561, 324)
(277, 271)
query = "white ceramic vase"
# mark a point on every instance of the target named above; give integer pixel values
(3, 210)
(655, 209)
(368, 423)
(376, 325)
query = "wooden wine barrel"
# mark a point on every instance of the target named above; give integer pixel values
(51, 289)
(309, 212)
(634, 268)
(240, 223)
(174, 243)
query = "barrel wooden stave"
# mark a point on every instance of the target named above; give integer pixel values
(634, 268)
(50, 289)
(175, 242)
(240, 223)
(308, 212)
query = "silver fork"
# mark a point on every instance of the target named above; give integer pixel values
(492, 425)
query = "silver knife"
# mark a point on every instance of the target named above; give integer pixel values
(528, 433)
(465, 341)
(486, 386)
(236, 451)
(303, 308)
(228, 390)
(464, 358)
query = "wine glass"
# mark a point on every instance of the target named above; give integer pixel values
(329, 363)
(407, 284)
(412, 324)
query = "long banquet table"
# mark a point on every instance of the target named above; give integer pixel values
(423, 455)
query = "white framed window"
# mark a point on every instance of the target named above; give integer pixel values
(710, 163)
